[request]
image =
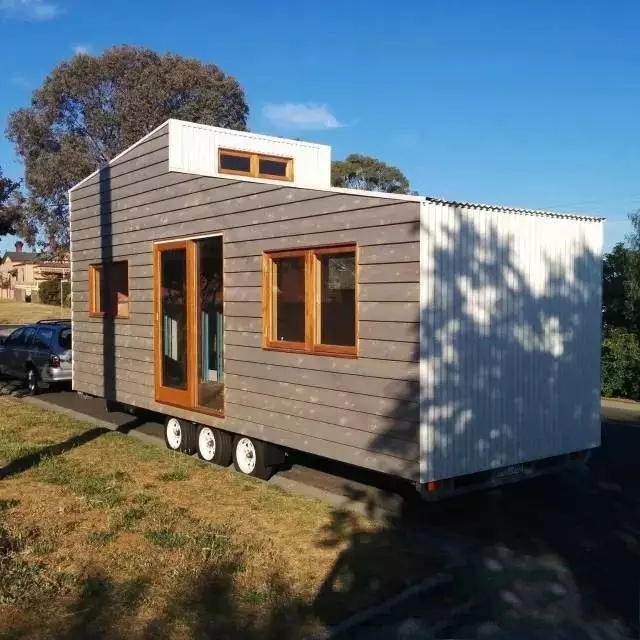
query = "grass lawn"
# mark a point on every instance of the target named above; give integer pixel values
(12, 312)
(104, 536)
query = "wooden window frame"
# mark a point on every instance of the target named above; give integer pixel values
(254, 162)
(94, 302)
(311, 344)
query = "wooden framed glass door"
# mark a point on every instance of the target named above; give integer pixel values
(174, 332)
(188, 324)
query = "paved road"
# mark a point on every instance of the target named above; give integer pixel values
(563, 550)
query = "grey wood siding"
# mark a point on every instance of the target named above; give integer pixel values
(362, 411)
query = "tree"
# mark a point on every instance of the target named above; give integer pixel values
(364, 172)
(91, 108)
(9, 212)
(617, 295)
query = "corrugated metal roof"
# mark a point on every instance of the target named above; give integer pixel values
(497, 207)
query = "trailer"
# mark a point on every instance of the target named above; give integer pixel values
(220, 280)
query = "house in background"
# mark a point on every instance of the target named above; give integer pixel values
(21, 273)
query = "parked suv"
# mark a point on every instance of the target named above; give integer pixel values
(38, 353)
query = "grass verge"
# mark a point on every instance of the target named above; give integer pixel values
(13, 312)
(116, 538)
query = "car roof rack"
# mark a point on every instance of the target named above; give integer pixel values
(53, 321)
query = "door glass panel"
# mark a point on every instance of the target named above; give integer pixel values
(173, 310)
(210, 350)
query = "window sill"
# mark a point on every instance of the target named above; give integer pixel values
(102, 315)
(347, 353)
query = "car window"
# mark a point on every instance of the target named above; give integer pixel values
(43, 339)
(14, 337)
(65, 339)
(27, 336)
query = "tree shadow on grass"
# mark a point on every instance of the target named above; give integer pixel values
(34, 459)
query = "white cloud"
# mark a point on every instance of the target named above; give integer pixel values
(81, 49)
(30, 9)
(299, 115)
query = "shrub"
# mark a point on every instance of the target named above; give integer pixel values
(621, 364)
(49, 292)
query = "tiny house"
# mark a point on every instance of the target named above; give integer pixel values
(219, 280)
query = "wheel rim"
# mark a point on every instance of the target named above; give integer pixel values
(174, 433)
(246, 455)
(31, 380)
(207, 443)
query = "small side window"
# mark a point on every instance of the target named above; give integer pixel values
(109, 290)
(235, 162)
(275, 168)
(255, 165)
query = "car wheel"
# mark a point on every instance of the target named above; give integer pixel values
(32, 381)
(249, 457)
(214, 445)
(180, 435)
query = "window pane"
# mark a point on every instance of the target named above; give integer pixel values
(336, 310)
(98, 288)
(111, 289)
(15, 337)
(121, 288)
(235, 163)
(276, 168)
(287, 290)
(43, 339)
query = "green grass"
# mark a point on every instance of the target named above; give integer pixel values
(100, 490)
(176, 474)
(166, 538)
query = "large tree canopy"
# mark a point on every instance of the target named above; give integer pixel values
(9, 209)
(91, 108)
(364, 172)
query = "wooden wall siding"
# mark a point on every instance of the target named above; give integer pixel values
(362, 411)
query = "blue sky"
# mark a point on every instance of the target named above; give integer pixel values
(532, 104)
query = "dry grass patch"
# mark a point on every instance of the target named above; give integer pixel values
(13, 312)
(116, 538)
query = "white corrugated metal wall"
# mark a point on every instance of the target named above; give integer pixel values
(510, 337)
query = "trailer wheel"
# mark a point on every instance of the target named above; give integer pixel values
(249, 457)
(180, 435)
(214, 445)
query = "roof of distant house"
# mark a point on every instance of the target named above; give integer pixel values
(21, 256)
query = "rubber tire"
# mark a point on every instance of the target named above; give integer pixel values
(189, 436)
(32, 378)
(260, 470)
(224, 446)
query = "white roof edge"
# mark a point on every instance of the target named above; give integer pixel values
(374, 194)
(133, 146)
(210, 127)
(498, 207)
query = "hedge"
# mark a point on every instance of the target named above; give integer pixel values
(49, 292)
(621, 364)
